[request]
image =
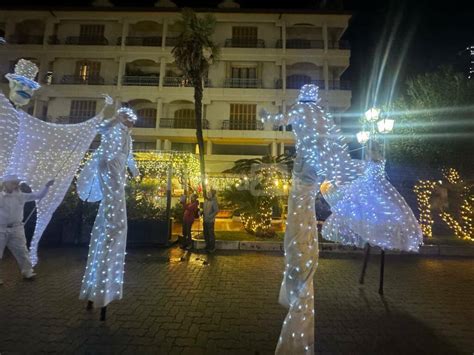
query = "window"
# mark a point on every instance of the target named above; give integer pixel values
(244, 36)
(243, 117)
(92, 31)
(184, 118)
(82, 110)
(244, 72)
(146, 118)
(86, 70)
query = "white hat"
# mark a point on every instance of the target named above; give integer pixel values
(25, 73)
(309, 93)
(129, 113)
(10, 177)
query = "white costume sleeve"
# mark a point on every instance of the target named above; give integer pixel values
(132, 165)
(9, 127)
(35, 196)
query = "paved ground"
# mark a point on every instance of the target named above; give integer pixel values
(230, 306)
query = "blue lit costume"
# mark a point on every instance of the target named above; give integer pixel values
(103, 179)
(370, 210)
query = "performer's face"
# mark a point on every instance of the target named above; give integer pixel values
(20, 93)
(128, 123)
(10, 186)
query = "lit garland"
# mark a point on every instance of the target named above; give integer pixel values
(452, 176)
(423, 190)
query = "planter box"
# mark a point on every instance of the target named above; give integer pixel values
(261, 245)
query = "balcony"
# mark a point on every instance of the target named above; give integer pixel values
(72, 119)
(243, 83)
(134, 80)
(25, 39)
(87, 41)
(171, 41)
(81, 80)
(149, 41)
(179, 81)
(298, 43)
(339, 85)
(187, 123)
(292, 83)
(242, 125)
(342, 44)
(244, 43)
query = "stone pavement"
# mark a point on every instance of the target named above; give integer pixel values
(229, 306)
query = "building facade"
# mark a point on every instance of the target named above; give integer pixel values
(265, 58)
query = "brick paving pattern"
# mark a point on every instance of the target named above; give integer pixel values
(227, 304)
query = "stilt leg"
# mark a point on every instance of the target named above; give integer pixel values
(90, 305)
(364, 266)
(103, 313)
(382, 270)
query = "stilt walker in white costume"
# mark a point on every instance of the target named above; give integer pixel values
(103, 179)
(316, 137)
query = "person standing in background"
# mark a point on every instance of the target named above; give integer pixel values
(190, 213)
(210, 210)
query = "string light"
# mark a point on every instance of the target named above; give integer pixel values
(423, 190)
(40, 151)
(103, 179)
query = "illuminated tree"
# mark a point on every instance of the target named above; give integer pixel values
(194, 52)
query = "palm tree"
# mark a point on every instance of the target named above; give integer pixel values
(194, 53)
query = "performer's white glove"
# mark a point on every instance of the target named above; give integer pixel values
(108, 100)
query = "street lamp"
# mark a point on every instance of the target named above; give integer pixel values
(372, 115)
(363, 137)
(385, 125)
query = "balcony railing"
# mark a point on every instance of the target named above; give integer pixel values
(188, 123)
(72, 119)
(80, 80)
(339, 85)
(244, 43)
(141, 80)
(342, 44)
(297, 43)
(25, 39)
(243, 83)
(242, 125)
(146, 122)
(147, 41)
(297, 84)
(89, 41)
(179, 81)
(171, 41)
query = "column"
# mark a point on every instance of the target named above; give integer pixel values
(164, 33)
(48, 31)
(158, 144)
(121, 71)
(159, 112)
(283, 36)
(167, 145)
(208, 147)
(162, 72)
(283, 110)
(10, 28)
(282, 148)
(283, 75)
(125, 28)
(274, 149)
(325, 37)
(326, 77)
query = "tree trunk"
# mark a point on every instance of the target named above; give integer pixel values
(198, 90)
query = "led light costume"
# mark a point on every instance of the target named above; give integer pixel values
(320, 154)
(37, 150)
(370, 210)
(103, 179)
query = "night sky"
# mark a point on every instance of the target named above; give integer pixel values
(434, 33)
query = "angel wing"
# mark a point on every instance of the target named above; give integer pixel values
(45, 151)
